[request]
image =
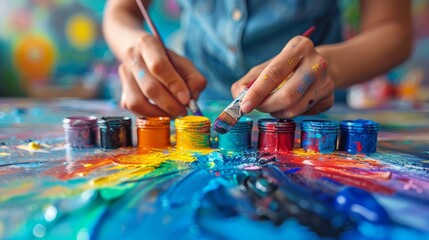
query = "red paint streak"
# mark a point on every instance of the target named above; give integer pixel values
(359, 182)
(359, 171)
(359, 147)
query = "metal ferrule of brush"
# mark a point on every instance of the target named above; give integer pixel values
(193, 107)
(234, 108)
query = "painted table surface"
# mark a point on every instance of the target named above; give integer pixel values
(55, 191)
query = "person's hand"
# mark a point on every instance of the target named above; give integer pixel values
(150, 84)
(292, 83)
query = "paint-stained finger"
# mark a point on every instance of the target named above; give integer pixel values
(155, 92)
(132, 98)
(296, 87)
(321, 106)
(319, 94)
(276, 72)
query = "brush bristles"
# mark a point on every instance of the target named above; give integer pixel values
(224, 123)
(198, 112)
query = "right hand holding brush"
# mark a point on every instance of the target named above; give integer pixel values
(294, 82)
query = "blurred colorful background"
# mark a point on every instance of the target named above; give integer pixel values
(54, 48)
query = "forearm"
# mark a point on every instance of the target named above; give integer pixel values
(122, 25)
(383, 43)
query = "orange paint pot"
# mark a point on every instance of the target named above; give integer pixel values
(192, 132)
(153, 132)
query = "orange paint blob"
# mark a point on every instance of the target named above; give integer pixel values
(153, 132)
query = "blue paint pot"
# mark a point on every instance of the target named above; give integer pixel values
(239, 138)
(358, 136)
(319, 135)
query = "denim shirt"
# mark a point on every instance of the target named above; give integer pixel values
(226, 38)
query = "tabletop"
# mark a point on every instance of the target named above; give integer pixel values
(50, 190)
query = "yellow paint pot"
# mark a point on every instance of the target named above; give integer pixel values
(192, 132)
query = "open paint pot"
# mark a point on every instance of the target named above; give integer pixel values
(358, 136)
(192, 132)
(239, 138)
(276, 135)
(153, 132)
(80, 131)
(115, 132)
(319, 135)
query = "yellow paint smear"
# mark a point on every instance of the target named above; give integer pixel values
(121, 176)
(155, 157)
(34, 146)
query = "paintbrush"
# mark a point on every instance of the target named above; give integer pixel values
(232, 113)
(192, 106)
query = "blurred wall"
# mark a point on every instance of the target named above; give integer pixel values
(55, 48)
(406, 86)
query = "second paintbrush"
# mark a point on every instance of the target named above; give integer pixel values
(192, 106)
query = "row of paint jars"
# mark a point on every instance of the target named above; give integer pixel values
(193, 132)
(355, 136)
(321, 136)
(85, 131)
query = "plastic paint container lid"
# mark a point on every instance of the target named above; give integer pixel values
(193, 122)
(286, 125)
(319, 126)
(359, 125)
(243, 125)
(267, 124)
(79, 122)
(152, 122)
(274, 125)
(114, 122)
